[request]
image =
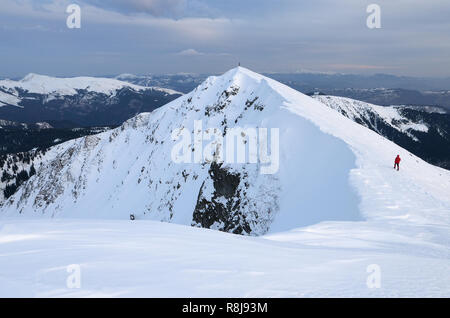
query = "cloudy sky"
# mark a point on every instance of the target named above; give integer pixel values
(211, 36)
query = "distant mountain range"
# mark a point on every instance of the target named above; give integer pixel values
(378, 89)
(390, 96)
(85, 101)
(309, 81)
(92, 101)
(179, 82)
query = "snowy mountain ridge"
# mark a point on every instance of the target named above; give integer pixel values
(85, 101)
(361, 111)
(425, 131)
(322, 153)
(46, 85)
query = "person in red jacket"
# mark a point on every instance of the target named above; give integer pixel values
(397, 162)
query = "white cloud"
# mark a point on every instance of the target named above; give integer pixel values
(190, 52)
(194, 52)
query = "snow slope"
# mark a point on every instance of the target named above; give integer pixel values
(424, 131)
(362, 111)
(10, 98)
(152, 259)
(335, 207)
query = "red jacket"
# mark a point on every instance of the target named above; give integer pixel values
(397, 160)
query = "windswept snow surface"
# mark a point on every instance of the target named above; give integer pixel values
(313, 244)
(152, 259)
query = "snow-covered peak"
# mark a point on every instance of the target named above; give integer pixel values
(33, 77)
(242, 71)
(323, 158)
(242, 76)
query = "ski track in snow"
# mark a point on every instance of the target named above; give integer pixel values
(403, 228)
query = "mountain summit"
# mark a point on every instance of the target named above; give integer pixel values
(330, 168)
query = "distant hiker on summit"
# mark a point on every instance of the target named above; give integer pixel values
(397, 162)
